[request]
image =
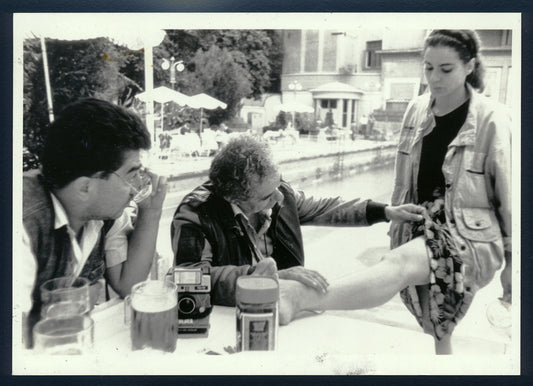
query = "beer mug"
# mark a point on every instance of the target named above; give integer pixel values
(153, 321)
(500, 317)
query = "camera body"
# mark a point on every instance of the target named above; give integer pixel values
(194, 299)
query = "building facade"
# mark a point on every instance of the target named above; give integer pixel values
(353, 73)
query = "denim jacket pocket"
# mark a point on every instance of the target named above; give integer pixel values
(475, 161)
(477, 224)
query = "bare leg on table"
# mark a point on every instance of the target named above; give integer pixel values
(403, 266)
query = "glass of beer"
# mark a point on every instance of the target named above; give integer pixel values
(154, 315)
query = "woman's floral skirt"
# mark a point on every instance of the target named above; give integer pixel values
(439, 305)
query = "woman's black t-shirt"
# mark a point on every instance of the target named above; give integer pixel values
(434, 148)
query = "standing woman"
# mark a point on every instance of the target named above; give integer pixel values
(454, 159)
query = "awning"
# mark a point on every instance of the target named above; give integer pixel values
(294, 107)
(336, 90)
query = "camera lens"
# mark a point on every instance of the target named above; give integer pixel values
(186, 305)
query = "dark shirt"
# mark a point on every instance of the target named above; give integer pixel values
(434, 148)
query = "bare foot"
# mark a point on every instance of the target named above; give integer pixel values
(288, 300)
(293, 298)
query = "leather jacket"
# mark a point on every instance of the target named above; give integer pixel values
(203, 215)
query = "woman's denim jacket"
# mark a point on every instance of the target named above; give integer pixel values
(477, 174)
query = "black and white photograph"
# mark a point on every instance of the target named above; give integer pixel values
(266, 194)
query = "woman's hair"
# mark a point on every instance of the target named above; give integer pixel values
(90, 136)
(467, 45)
(239, 165)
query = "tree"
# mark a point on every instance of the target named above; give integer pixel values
(250, 49)
(219, 75)
(257, 51)
(275, 57)
(77, 69)
(226, 64)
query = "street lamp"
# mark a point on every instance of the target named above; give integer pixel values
(173, 66)
(294, 86)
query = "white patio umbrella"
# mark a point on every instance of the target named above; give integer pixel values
(134, 32)
(203, 101)
(164, 95)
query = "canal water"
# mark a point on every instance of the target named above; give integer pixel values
(375, 184)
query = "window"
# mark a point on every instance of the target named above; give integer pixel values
(373, 59)
(291, 56)
(507, 38)
(328, 103)
(329, 52)
(311, 51)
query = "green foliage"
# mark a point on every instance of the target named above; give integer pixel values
(217, 74)
(226, 64)
(305, 123)
(250, 49)
(281, 119)
(77, 69)
(34, 98)
(280, 123)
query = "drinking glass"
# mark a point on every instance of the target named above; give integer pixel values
(142, 185)
(65, 296)
(153, 321)
(64, 335)
(500, 317)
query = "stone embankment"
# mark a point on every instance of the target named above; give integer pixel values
(300, 163)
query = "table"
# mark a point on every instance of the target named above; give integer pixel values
(310, 345)
(384, 340)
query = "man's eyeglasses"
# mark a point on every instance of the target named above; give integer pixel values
(140, 182)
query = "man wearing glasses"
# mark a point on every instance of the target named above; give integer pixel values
(75, 216)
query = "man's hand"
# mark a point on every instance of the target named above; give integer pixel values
(305, 276)
(266, 267)
(406, 212)
(159, 191)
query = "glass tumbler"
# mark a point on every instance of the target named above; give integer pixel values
(64, 296)
(66, 335)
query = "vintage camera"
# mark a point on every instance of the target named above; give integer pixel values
(194, 299)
